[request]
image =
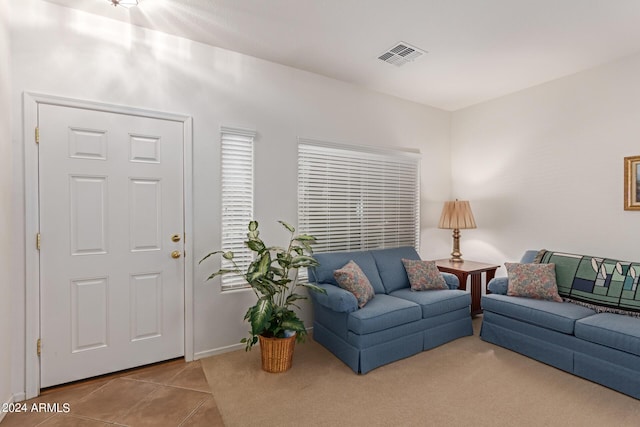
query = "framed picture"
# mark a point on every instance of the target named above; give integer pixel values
(632, 183)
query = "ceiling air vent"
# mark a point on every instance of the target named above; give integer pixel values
(401, 54)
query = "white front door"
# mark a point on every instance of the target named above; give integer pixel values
(112, 235)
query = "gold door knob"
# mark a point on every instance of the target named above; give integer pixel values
(175, 254)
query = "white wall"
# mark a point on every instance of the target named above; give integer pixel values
(544, 167)
(84, 56)
(5, 208)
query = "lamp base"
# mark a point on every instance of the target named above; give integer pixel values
(456, 255)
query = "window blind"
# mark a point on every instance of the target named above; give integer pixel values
(237, 200)
(358, 198)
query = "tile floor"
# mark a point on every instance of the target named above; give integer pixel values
(171, 394)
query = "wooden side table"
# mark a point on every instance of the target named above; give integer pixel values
(464, 269)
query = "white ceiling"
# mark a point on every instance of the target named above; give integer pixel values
(477, 49)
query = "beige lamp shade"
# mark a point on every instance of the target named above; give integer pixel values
(456, 215)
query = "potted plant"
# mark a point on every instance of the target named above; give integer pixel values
(273, 277)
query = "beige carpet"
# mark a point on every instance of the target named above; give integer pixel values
(466, 382)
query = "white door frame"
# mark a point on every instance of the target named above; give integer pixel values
(32, 215)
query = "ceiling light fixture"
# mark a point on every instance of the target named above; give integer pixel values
(124, 3)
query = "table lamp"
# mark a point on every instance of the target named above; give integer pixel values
(456, 215)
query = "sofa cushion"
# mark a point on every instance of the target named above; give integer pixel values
(435, 303)
(351, 278)
(424, 275)
(611, 330)
(531, 255)
(532, 281)
(383, 312)
(390, 267)
(600, 283)
(331, 261)
(557, 316)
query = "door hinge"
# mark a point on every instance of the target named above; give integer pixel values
(39, 347)
(38, 241)
(37, 135)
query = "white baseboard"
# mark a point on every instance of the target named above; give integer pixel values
(216, 351)
(9, 401)
(227, 349)
(19, 397)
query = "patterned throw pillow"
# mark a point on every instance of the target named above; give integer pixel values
(424, 275)
(536, 281)
(353, 279)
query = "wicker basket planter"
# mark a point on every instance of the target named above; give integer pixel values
(272, 276)
(277, 353)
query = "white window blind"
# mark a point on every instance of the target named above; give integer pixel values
(237, 200)
(358, 198)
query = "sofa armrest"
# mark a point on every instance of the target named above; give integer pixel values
(336, 299)
(451, 280)
(498, 285)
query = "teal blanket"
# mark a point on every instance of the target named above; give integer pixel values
(599, 283)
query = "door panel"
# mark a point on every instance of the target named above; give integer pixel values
(112, 296)
(146, 214)
(89, 317)
(88, 214)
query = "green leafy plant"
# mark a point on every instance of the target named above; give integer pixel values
(273, 276)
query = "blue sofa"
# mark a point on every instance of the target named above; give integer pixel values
(396, 323)
(600, 346)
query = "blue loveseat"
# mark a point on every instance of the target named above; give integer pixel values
(396, 323)
(586, 340)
